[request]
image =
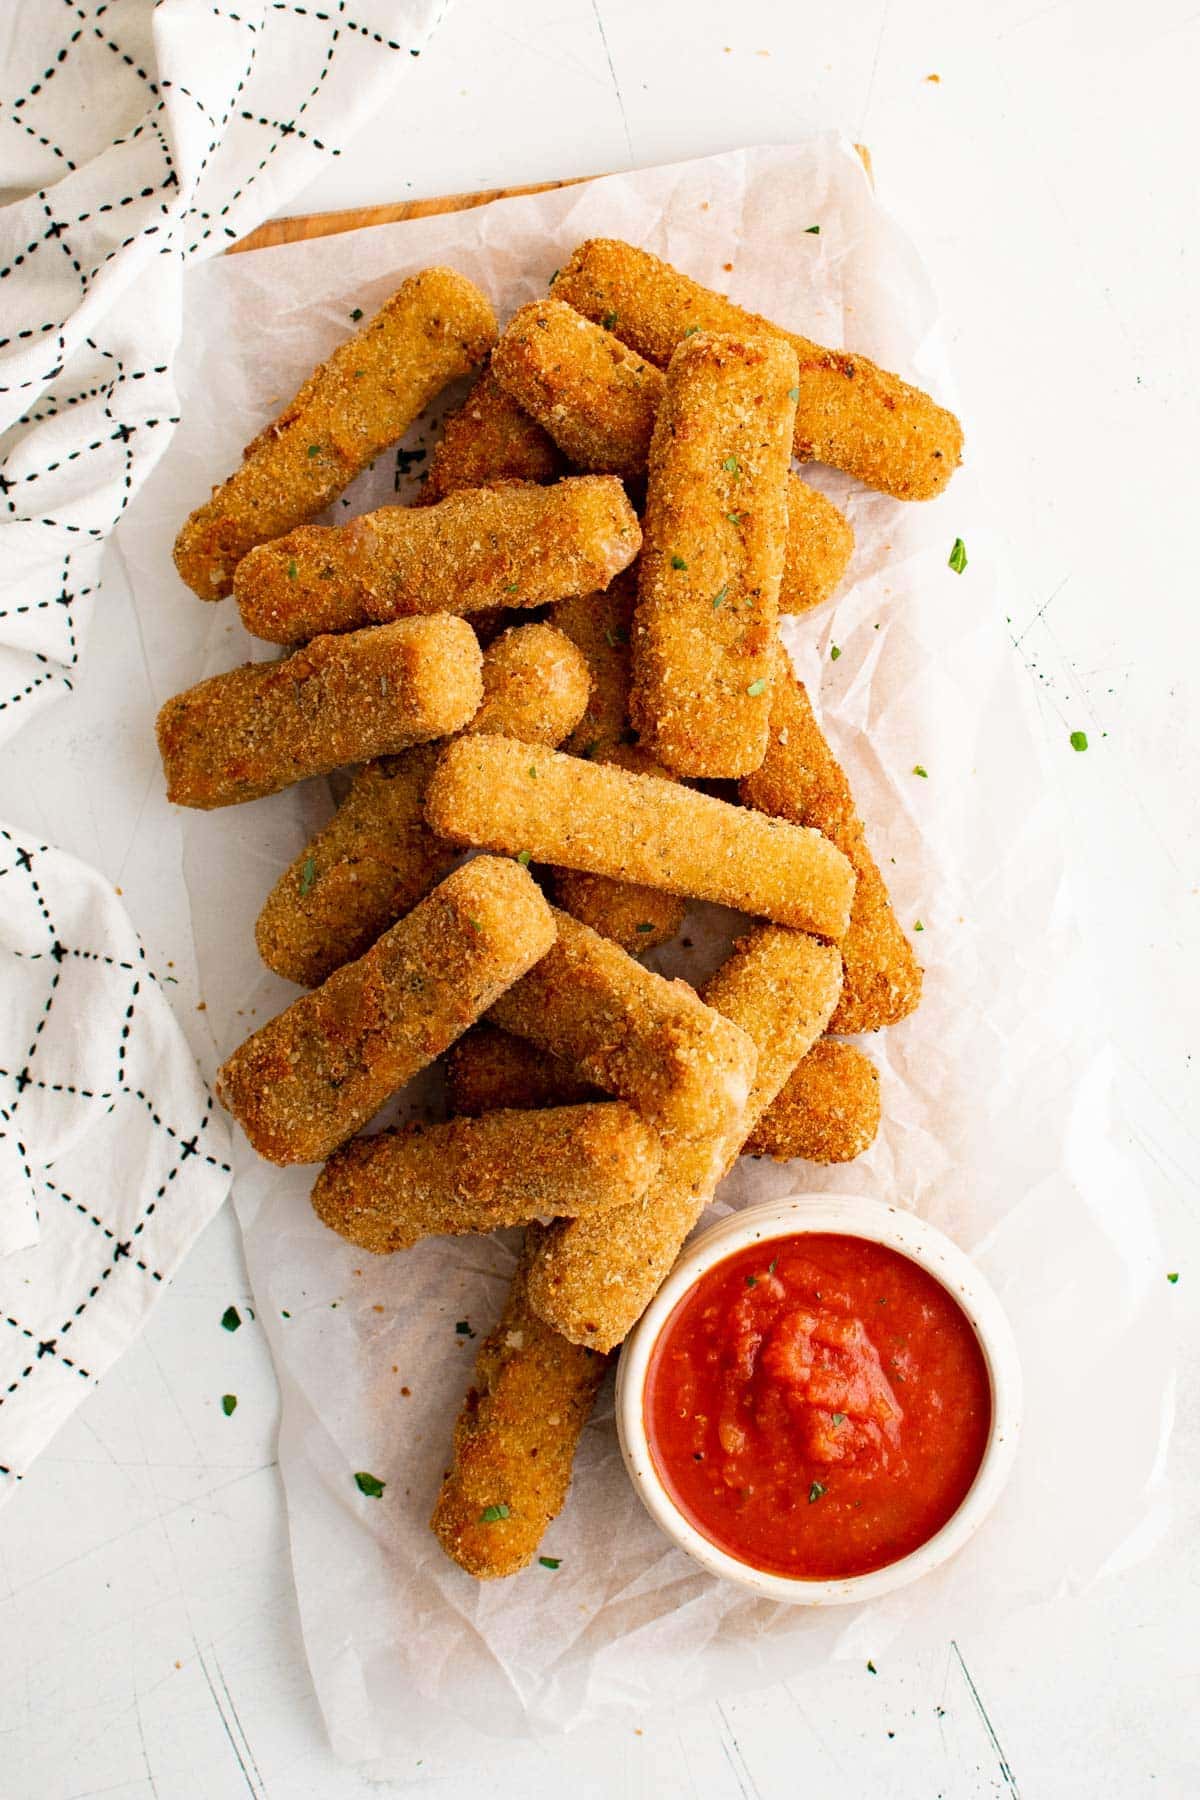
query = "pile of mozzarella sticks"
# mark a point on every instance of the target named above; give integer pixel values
(620, 479)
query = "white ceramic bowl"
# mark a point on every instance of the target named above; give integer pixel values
(848, 1216)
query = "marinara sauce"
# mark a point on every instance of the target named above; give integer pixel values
(817, 1406)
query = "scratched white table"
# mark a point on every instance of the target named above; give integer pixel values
(148, 1636)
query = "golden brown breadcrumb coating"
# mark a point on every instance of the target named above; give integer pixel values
(377, 857)
(712, 554)
(515, 1440)
(436, 326)
(599, 400)
(489, 439)
(516, 545)
(632, 1032)
(386, 1192)
(827, 1111)
(259, 728)
(488, 1069)
(501, 795)
(801, 780)
(313, 1075)
(593, 1279)
(850, 414)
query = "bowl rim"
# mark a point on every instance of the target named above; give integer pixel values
(846, 1215)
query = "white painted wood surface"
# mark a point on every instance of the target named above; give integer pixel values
(148, 1635)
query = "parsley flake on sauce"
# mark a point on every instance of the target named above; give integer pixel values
(756, 688)
(609, 321)
(370, 1485)
(793, 395)
(923, 773)
(463, 1328)
(308, 875)
(1173, 1277)
(717, 598)
(734, 518)
(677, 562)
(918, 926)
(550, 1562)
(643, 928)
(815, 1492)
(871, 1669)
(834, 652)
(732, 465)
(1079, 740)
(838, 1418)
(292, 571)
(691, 331)
(314, 449)
(771, 1266)
(752, 1281)
(958, 556)
(812, 231)
(228, 1404)
(491, 1515)
(356, 315)
(231, 1318)
(524, 857)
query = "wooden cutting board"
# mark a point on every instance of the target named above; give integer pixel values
(353, 218)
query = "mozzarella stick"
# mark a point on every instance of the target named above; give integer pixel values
(489, 1069)
(593, 1279)
(517, 545)
(637, 1035)
(515, 1440)
(436, 326)
(851, 414)
(312, 1076)
(595, 397)
(827, 1111)
(385, 1193)
(501, 795)
(489, 439)
(377, 857)
(712, 555)
(263, 726)
(599, 400)
(800, 780)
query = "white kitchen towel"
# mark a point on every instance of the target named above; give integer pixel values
(134, 139)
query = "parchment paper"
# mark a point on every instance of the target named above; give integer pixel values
(998, 1104)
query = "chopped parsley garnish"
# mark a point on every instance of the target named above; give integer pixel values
(314, 449)
(1079, 740)
(532, 772)
(609, 321)
(815, 1492)
(871, 1669)
(370, 1485)
(732, 465)
(550, 1562)
(752, 1281)
(476, 927)
(734, 518)
(771, 1265)
(834, 652)
(552, 279)
(524, 857)
(231, 1318)
(308, 875)
(812, 231)
(923, 773)
(838, 1418)
(510, 587)
(644, 928)
(491, 1515)
(292, 571)
(717, 598)
(793, 394)
(918, 926)
(756, 688)
(677, 562)
(1173, 1277)
(463, 1328)
(691, 330)
(228, 1404)
(958, 556)
(356, 315)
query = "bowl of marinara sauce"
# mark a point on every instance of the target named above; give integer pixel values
(822, 1402)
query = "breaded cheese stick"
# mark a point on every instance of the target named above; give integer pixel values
(593, 1279)
(338, 700)
(501, 795)
(489, 439)
(515, 1440)
(827, 1111)
(517, 545)
(598, 400)
(436, 326)
(851, 414)
(595, 397)
(649, 1040)
(712, 555)
(385, 1193)
(800, 780)
(489, 1069)
(377, 857)
(313, 1075)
